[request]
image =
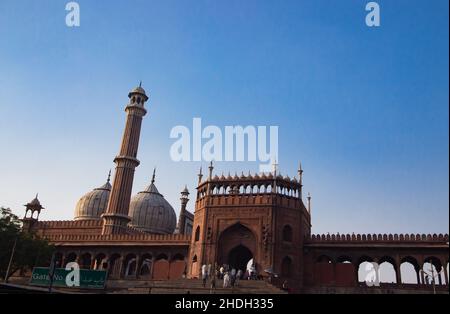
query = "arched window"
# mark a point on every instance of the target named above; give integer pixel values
(197, 234)
(287, 233)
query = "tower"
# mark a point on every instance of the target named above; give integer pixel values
(116, 218)
(256, 218)
(182, 219)
(32, 212)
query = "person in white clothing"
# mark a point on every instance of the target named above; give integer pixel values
(226, 280)
(204, 274)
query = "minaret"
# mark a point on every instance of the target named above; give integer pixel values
(182, 219)
(211, 168)
(309, 203)
(116, 218)
(300, 179)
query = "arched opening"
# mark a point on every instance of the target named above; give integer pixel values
(239, 257)
(177, 267)
(237, 245)
(71, 257)
(130, 265)
(85, 261)
(387, 272)
(197, 234)
(409, 270)
(345, 274)
(161, 267)
(100, 262)
(162, 256)
(324, 271)
(367, 270)
(286, 267)
(114, 265)
(145, 271)
(433, 271)
(287, 233)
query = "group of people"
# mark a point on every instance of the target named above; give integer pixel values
(229, 275)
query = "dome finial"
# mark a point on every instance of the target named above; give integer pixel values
(154, 175)
(109, 176)
(211, 168)
(200, 175)
(140, 83)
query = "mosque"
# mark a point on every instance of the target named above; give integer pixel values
(260, 217)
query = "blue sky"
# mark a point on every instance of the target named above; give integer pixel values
(364, 109)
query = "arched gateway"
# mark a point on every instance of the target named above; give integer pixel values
(237, 246)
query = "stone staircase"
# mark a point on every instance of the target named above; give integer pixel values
(191, 286)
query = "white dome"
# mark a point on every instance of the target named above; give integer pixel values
(150, 212)
(94, 203)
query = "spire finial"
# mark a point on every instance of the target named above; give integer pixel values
(154, 175)
(275, 167)
(200, 175)
(211, 168)
(140, 83)
(37, 194)
(309, 202)
(109, 176)
(300, 172)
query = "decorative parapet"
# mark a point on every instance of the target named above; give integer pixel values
(143, 237)
(321, 238)
(69, 223)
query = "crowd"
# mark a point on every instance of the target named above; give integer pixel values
(229, 276)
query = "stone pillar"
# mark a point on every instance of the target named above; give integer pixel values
(398, 275)
(151, 267)
(116, 218)
(445, 275)
(418, 275)
(120, 267)
(439, 275)
(138, 260)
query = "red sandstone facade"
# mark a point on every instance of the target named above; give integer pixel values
(260, 217)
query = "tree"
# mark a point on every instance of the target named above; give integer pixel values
(30, 251)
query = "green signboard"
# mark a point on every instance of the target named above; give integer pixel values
(89, 279)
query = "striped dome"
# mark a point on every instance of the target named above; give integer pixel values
(94, 203)
(150, 212)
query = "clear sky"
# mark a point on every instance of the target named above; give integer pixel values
(364, 109)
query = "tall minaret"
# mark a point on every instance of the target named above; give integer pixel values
(116, 218)
(182, 219)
